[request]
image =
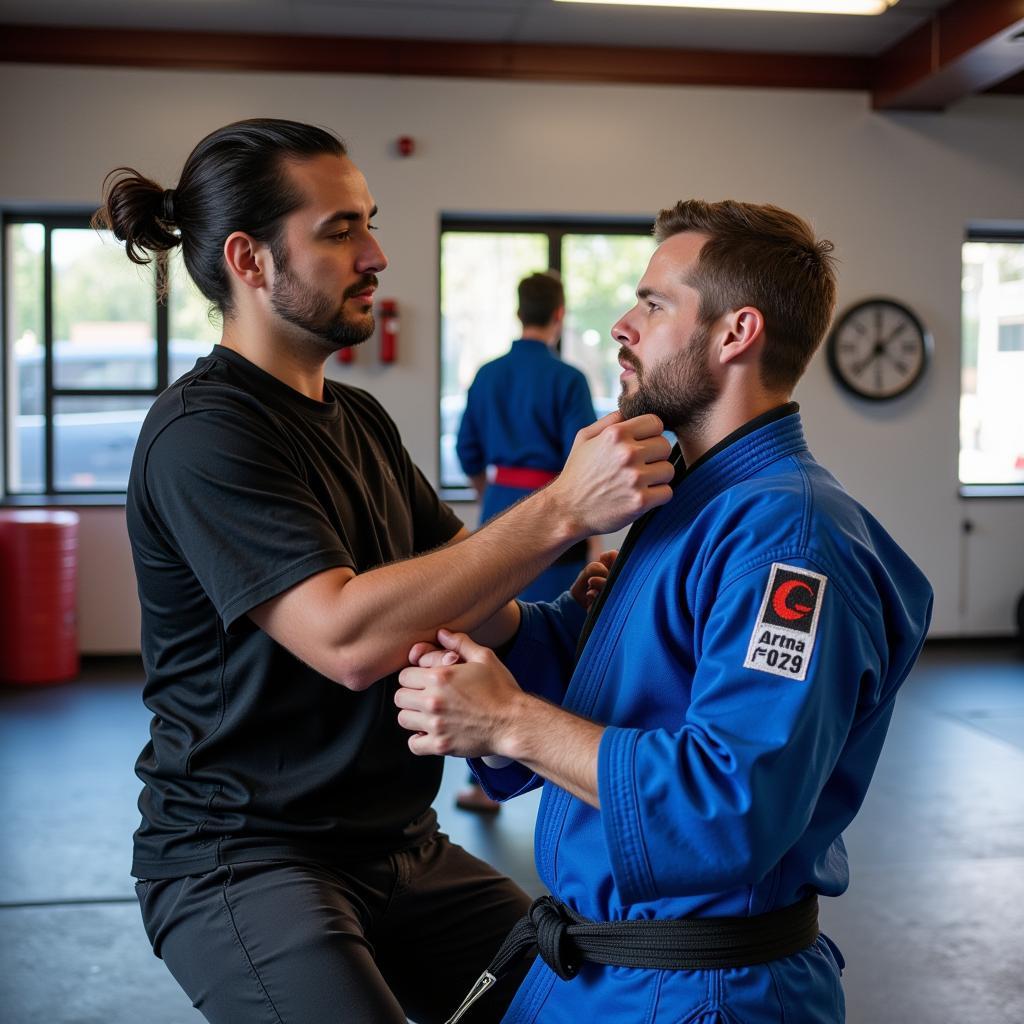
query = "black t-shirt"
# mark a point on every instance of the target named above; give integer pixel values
(240, 488)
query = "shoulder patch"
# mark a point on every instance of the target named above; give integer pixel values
(783, 636)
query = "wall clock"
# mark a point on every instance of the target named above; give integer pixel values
(878, 349)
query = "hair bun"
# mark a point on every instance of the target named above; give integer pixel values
(139, 212)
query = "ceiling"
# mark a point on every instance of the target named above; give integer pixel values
(496, 21)
(918, 55)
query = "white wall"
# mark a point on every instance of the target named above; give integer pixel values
(894, 192)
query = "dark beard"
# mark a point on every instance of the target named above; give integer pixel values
(679, 391)
(313, 312)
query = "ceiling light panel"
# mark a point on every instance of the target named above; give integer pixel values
(781, 6)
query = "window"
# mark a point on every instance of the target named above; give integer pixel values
(992, 367)
(86, 347)
(482, 262)
(1011, 337)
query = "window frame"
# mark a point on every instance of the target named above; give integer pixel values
(986, 231)
(54, 219)
(556, 228)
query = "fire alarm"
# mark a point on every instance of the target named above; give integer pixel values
(405, 145)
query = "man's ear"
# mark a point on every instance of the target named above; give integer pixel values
(743, 332)
(248, 261)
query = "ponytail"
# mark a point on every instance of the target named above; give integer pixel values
(139, 212)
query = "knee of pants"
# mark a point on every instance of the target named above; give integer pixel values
(273, 943)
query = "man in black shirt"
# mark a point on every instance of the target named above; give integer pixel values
(289, 863)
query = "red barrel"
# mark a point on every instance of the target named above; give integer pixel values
(38, 583)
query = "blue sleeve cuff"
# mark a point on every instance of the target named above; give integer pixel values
(504, 783)
(620, 814)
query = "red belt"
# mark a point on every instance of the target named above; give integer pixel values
(528, 479)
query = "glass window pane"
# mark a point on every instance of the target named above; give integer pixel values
(94, 440)
(195, 327)
(24, 285)
(104, 315)
(992, 367)
(479, 275)
(1011, 337)
(601, 273)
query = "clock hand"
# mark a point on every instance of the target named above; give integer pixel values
(860, 367)
(900, 367)
(892, 337)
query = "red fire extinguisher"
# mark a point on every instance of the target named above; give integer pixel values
(346, 354)
(387, 311)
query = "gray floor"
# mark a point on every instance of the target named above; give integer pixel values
(932, 927)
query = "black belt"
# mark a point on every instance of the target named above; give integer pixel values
(565, 940)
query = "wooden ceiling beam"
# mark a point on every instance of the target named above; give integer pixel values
(968, 47)
(251, 52)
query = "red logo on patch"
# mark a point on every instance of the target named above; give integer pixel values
(793, 596)
(787, 605)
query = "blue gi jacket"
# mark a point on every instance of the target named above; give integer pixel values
(523, 410)
(745, 662)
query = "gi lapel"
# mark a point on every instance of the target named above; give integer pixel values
(676, 457)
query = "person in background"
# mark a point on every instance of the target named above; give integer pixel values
(707, 734)
(522, 412)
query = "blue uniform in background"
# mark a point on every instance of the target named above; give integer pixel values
(745, 659)
(523, 410)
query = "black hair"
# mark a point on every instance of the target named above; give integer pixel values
(234, 180)
(540, 297)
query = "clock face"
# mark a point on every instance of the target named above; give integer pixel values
(878, 349)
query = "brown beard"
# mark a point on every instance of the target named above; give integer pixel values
(314, 312)
(679, 391)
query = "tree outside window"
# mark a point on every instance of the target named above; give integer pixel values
(87, 347)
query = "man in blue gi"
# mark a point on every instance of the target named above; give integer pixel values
(522, 414)
(703, 753)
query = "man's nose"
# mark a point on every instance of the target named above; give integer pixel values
(623, 333)
(372, 259)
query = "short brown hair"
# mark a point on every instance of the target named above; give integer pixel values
(765, 257)
(540, 297)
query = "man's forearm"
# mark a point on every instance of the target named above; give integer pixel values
(616, 471)
(557, 745)
(463, 586)
(357, 628)
(501, 627)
